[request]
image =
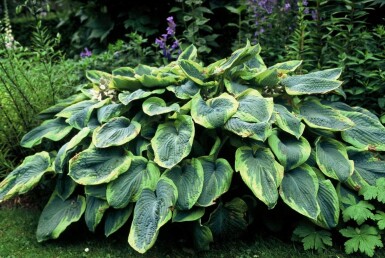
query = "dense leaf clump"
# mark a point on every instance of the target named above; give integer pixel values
(168, 143)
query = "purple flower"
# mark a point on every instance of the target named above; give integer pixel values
(305, 3)
(314, 14)
(162, 41)
(85, 53)
(286, 7)
(306, 11)
(171, 26)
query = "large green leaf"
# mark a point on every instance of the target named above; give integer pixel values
(260, 172)
(186, 90)
(193, 71)
(235, 88)
(26, 176)
(321, 116)
(96, 166)
(116, 218)
(202, 237)
(299, 190)
(188, 179)
(290, 151)
(127, 97)
(313, 83)
(329, 205)
(192, 214)
(332, 159)
(217, 179)
(229, 219)
(214, 112)
(109, 111)
(151, 212)
(50, 112)
(128, 186)
(54, 129)
(257, 131)
(115, 132)
(156, 106)
(124, 79)
(97, 76)
(285, 67)
(189, 53)
(65, 186)
(367, 165)
(98, 191)
(173, 141)
(288, 121)
(161, 80)
(267, 78)
(57, 215)
(368, 133)
(95, 209)
(65, 152)
(253, 107)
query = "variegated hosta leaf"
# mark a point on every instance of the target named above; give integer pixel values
(161, 80)
(96, 166)
(109, 111)
(98, 191)
(313, 83)
(329, 205)
(26, 176)
(321, 116)
(65, 186)
(186, 90)
(235, 88)
(57, 215)
(189, 53)
(50, 112)
(202, 237)
(290, 151)
(193, 71)
(115, 132)
(257, 131)
(54, 129)
(214, 112)
(260, 172)
(217, 179)
(151, 212)
(288, 121)
(367, 165)
(97, 77)
(332, 159)
(128, 186)
(299, 189)
(75, 108)
(64, 153)
(124, 79)
(267, 78)
(116, 218)
(127, 97)
(285, 67)
(253, 107)
(228, 220)
(368, 133)
(188, 179)
(192, 214)
(95, 209)
(156, 106)
(173, 141)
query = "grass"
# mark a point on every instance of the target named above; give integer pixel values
(17, 239)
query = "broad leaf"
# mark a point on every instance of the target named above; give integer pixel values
(127, 97)
(109, 111)
(57, 215)
(173, 141)
(290, 151)
(186, 90)
(359, 212)
(320, 116)
(156, 106)
(115, 132)
(95, 209)
(257, 131)
(151, 212)
(214, 112)
(260, 172)
(202, 237)
(235, 88)
(299, 189)
(96, 166)
(328, 202)
(253, 107)
(128, 186)
(98, 191)
(217, 179)
(193, 71)
(116, 218)
(65, 186)
(189, 53)
(192, 214)
(228, 220)
(54, 129)
(26, 176)
(333, 160)
(288, 121)
(188, 179)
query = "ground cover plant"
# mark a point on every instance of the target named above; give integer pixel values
(212, 147)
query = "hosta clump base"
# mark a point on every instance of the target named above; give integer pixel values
(160, 144)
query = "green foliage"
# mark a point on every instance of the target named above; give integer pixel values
(117, 147)
(311, 238)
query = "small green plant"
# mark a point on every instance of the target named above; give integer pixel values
(172, 143)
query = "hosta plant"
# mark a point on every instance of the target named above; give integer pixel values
(190, 144)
